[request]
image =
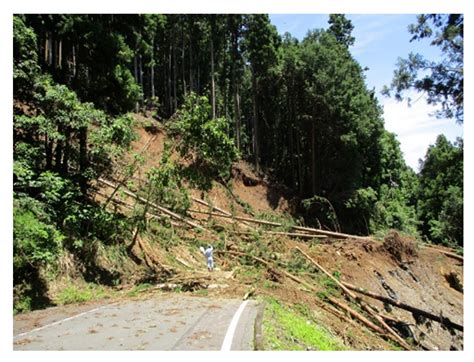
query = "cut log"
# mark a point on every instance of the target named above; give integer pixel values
(443, 320)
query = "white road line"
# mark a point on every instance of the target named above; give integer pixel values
(61, 321)
(229, 336)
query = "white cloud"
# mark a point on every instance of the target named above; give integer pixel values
(415, 128)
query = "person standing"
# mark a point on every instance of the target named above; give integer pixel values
(208, 254)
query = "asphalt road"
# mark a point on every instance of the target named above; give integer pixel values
(162, 322)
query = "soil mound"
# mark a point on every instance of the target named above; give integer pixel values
(402, 249)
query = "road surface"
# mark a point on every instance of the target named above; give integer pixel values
(161, 322)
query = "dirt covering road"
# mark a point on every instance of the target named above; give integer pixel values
(160, 322)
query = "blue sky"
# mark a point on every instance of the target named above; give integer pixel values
(380, 40)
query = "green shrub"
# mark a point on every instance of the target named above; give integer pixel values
(35, 240)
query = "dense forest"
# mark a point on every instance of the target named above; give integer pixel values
(299, 111)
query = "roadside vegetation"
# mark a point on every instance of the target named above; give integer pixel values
(287, 329)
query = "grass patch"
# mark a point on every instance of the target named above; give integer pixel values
(286, 330)
(202, 292)
(75, 293)
(137, 289)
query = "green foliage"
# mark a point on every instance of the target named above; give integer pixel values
(110, 140)
(25, 56)
(392, 212)
(89, 222)
(166, 184)
(23, 305)
(73, 293)
(323, 209)
(163, 235)
(127, 91)
(35, 241)
(442, 80)
(204, 140)
(341, 28)
(137, 289)
(285, 329)
(440, 197)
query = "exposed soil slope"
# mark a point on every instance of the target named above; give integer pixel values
(424, 277)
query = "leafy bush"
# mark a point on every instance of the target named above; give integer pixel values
(166, 184)
(35, 240)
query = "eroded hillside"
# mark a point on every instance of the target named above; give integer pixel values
(258, 255)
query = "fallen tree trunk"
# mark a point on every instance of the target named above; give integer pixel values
(204, 203)
(297, 235)
(355, 314)
(277, 224)
(329, 308)
(331, 233)
(443, 320)
(130, 207)
(347, 291)
(393, 335)
(241, 218)
(227, 219)
(445, 252)
(452, 255)
(125, 178)
(158, 207)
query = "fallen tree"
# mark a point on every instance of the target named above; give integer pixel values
(331, 233)
(126, 177)
(149, 214)
(451, 255)
(443, 320)
(369, 309)
(296, 235)
(277, 224)
(155, 206)
(392, 334)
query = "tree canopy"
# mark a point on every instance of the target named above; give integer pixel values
(441, 80)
